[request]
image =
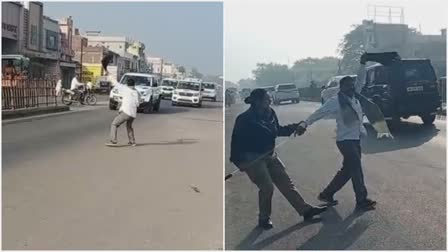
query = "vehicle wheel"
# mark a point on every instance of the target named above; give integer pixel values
(173, 104)
(214, 99)
(322, 101)
(428, 119)
(67, 99)
(157, 105)
(199, 105)
(112, 106)
(298, 101)
(91, 99)
(148, 108)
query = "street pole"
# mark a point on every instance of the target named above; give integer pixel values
(80, 74)
(161, 69)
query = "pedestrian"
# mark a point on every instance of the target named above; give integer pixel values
(347, 109)
(58, 88)
(9, 71)
(253, 152)
(127, 113)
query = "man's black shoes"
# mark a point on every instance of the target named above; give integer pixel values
(313, 211)
(265, 224)
(366, 205)
(327, 199)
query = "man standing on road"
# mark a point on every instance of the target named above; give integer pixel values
(252, 151)
(349, 120)
(127, 113)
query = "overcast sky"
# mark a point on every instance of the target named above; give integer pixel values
(284, 31)
(190, 34)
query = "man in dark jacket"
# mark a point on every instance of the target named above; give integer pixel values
(253, 152)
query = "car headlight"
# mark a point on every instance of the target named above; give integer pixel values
(144, 93)
(175, 92)
(196, 95)
(115, 91)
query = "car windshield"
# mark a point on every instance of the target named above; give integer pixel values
(209, 86)
(286, 87)
(139, 80)
(188, 85)
(418, 70)
(169, 83)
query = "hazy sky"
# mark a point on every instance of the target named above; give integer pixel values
(189, 34)
(284, 31)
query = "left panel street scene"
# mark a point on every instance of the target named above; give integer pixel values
(65, 77)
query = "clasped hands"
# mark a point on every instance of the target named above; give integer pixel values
(298, 128)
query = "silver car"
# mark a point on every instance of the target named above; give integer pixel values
(286, 92)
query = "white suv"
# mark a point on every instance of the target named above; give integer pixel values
(145, 84)
(331, 88)
(209, 91)
(188, 92)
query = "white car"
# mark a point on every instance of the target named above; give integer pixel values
(168, 86)
(145, 84)
(331, 88)
(209, 91)
(188, 92)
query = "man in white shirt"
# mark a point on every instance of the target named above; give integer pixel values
(349, 120)
(74, 87)
(127, 113)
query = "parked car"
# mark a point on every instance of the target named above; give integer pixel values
(188, 92)
(146, 85)
(286, 92)
(331, 88)
(403, 88)
(209, 91)
(168, 86)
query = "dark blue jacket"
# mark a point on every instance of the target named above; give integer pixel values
(255, 135)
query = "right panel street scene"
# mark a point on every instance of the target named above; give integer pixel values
(335, 126)
(115, 142)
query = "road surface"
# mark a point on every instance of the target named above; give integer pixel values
(407, 176)
(64, 189)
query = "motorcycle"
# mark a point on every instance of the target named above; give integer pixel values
(82, 96)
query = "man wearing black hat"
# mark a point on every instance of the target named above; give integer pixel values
(253, 152)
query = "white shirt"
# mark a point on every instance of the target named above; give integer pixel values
(332, 109)
(75, 83)
(130, 102)
(58, 88)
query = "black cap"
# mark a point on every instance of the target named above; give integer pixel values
(256, 95)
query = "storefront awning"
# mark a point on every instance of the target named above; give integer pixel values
(66, 64)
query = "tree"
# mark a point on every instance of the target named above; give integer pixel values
(271, 74)
(249, 82)
(196, 74)
(181, 69)
(318, 70)
(351, 48)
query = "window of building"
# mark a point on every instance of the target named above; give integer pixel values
(51, 40)
(33, 39)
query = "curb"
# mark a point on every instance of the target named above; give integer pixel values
(43, 116)
(6, 115)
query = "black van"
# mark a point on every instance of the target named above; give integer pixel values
(403, 88)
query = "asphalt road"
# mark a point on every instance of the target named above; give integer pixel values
(407, 176)
(64, 189)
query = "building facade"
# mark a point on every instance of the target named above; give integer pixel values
(12, 27)
(409, 43)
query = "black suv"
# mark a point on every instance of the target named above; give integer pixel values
(402, 87)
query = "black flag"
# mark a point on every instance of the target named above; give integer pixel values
(106, 60)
